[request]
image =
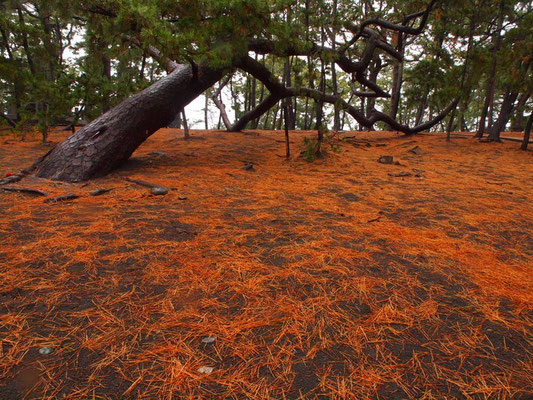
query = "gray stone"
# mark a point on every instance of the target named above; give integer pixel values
(209, 339)
(205, 370)
(45, 350)
(159, 191)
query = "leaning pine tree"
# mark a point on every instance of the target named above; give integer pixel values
(211, 39)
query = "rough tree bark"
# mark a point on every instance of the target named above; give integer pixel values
(109, 140)
(505, 113)
(527, 133)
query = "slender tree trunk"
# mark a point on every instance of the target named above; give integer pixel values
(287, 82)
(253, 99)
(287, 141)
(527, 133)
(519, 121)
(186, 132)
(306, 113)
(206, 112)
(109, 140)
(463, 80)
(336, 110)
(275, 119)
(235, 99)
(320, 104)
(361, 127)
(310, 67)
(421, 109)
(143, 66)
(464, 126)
(489, 91)
(397, 78)
(106, 73)
(449, 128)
(25, 43)
(505, 113)
(265, 120)
(217, 99)
(255, 122)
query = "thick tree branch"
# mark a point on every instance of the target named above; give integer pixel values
(279, 92)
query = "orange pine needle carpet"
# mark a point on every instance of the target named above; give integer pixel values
(333, 279)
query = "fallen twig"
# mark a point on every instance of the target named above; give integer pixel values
(143, 183)
(25, 190)
(64, 197)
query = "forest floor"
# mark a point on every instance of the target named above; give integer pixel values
(333, 279)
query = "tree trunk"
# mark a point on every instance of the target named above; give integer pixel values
(505, 113)
(336, 110)
(519, 121)
(397, 78)
(106, 73)
(217, 99)
(489, 91)
(206, 112)
(109, 140)
(186, 132)
(527, 133)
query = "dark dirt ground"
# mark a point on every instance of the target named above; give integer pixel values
(334, 279)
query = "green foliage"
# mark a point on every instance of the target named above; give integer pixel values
(314, 149)
(61, 60)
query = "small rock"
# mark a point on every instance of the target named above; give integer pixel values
(159, 191)
(45, 350)
(182, 198)
(249, 167)
(205, 370)
(386, 160)
(99, 192)
(209, 339)
(418, 171)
